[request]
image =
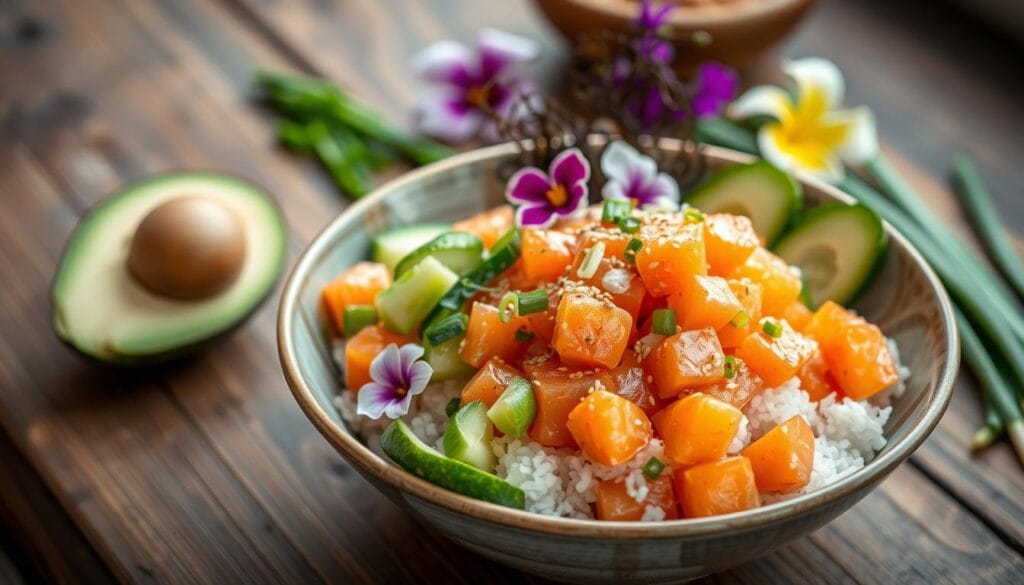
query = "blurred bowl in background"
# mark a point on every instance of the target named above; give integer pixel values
(741, 30)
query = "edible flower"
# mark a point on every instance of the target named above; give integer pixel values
(541, 197)
(653, 21)
(633, 175)
(810, 133)
(469, 88)
(716, 86)
(398, 375)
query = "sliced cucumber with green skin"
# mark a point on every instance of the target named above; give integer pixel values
(411, 298)
(515, 408)
(838, 247)
(758, 190)
(459, 251)
(468, 436)
(445, 360)
(391, 246)
(405, 449)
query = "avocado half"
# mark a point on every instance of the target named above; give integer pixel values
(101, 310)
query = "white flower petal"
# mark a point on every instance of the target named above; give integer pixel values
(435, 116)
(442, 61)
(763, 100)
(818, 75)
(613, 190)
(514, 48)
(669, 190)
(620, 161)
(831, 169)
(861, 142)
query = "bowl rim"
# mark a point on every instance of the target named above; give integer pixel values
(356, 453)
(692, 16)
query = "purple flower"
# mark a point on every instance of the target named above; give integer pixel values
(397, 375)
(653, 17)
(544, 197)
(716, 87)
(467, 85)
(632, 175)
(652, 21)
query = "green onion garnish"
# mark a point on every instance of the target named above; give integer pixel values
(630, 225)
(632, 248)
(591, 260)
(772, 328)
(664, 322)
(731, 366)
(356, 317)
(653, 468)
(740, 319)
(509, 238)
(524, 336)
(691, 215)
(616, 209)
(452, 407)
(513, 304)
(450, 327)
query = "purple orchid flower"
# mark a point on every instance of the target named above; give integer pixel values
(397, 375)
(716, 87)
(632, 175)
(466, 85)
(542, 198)
(652, 20)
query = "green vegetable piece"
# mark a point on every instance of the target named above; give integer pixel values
(514, 410)
(411, 298)
(445, 361)
(452, 407)
(732, 365)
(771, 328)
(632, 248)
(390, 247)
(409, 452)
(591, 261)
(615, 210)
(356, 317)
(740, 319)
(459, 251)
(468, 436)
(653, 468)
(664, 322)
(447, 328)
(630, 225)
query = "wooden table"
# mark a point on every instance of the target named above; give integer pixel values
(207, 472)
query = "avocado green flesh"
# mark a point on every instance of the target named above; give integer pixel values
(100, 309)
(405, 449)
(769, 197)
(837, 247)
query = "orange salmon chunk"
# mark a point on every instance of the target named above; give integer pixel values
(362, 348)
(589, 329)
(783, 457)
(671, 255)
(856, 351)
(489, 382)
(558, 389)
(719, 487)
(705, 301)
(608, 428)
(487, 337)
(728, 241)
(776, 359)
(686, 360)
(780, 285)
(546, 254)
(614, 502)
(489, 225)
(359, 285)
(697, 428)
(748, 293)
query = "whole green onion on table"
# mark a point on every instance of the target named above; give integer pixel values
(350, 140)
(988, 316)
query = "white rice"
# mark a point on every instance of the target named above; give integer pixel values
(560, 482)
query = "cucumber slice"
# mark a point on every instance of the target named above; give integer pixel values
(410, 298)
(515, 408)
(768, 196)
(391, 246)
(445, 360)
(838, 248)
(405, 449)
(468, 436)
(460, 251)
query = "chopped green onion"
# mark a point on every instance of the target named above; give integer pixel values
(534, 301)
(615, 210)
(653, 468)
(632, 248)
(591, 261)
(356, 317)
(740, 319)
(508, 307)
(664, 322)
(450, 327)
(630, 225)
(732, 365)
(509, 238)
(772, 328)
(452, 407)
(691, 215)
(524, 335)
(478, 287)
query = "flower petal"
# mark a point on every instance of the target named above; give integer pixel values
(499, 49)
(668, 190)
(815, 160)
(445, 62)
(419, 377)
(569, 167)
(613, 190)
(528, 186)
(539, 216)
(817, 78)
(407, 356)
(623, 162)
(717, 85)
(577, 202)
(763, 100)
(386, 367)
(442, 113)
(373, 399)
(398, 407)
(860, 144)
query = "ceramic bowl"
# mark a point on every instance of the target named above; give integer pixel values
(741, 30)
(905, 299)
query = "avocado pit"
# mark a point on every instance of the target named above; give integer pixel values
(189, 248)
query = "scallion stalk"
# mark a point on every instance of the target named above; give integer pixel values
(450, 327)
(591, 261)
(663, 322)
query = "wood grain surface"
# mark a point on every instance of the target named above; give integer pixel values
(207, 471)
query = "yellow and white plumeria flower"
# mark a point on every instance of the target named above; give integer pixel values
(811, 133)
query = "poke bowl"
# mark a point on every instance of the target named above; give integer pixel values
(556, 535)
